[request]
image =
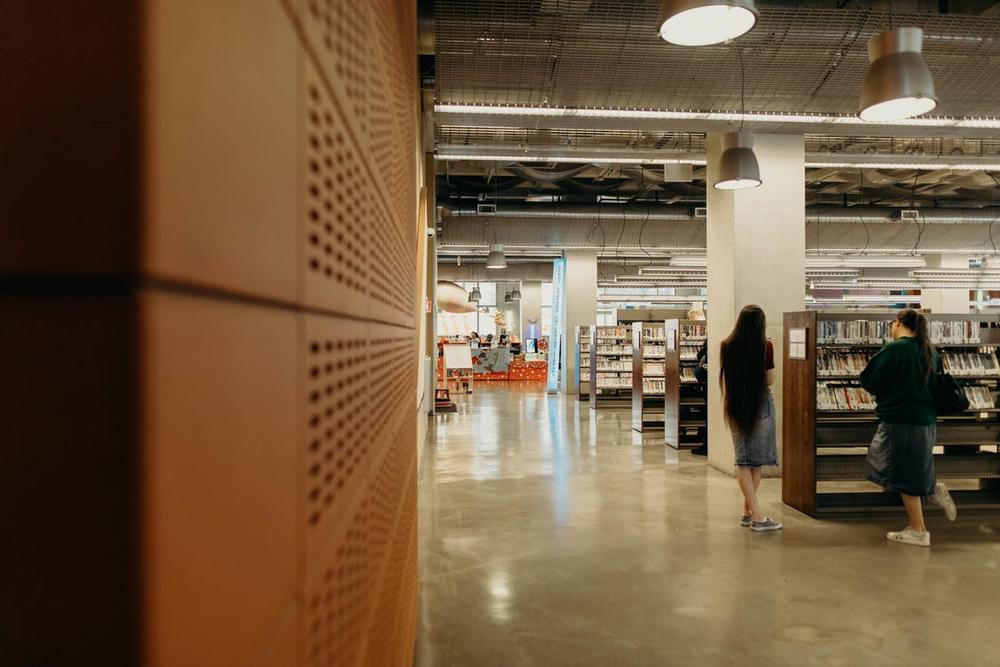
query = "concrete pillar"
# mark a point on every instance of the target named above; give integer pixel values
(756, 255)
(946, 300)
(581, 307)
(531, 309)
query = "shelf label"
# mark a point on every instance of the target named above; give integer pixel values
(796, 343)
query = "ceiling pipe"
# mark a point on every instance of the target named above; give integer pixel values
(676, 212)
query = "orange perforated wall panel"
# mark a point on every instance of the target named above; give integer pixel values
(208, 275)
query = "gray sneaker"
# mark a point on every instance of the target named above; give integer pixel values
(745, 520)
(943, 500)
(765, 525)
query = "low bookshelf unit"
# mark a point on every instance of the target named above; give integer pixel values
(829, 420)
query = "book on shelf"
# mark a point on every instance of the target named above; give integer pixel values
(613, 350)
(687, 375)
(613, 365)
(970, 363)
(837, 362)
(614, 381)
(613, 332)
(654, 332)
(653, 385)
(653, 368)
(980, 397)
(838, 396)
(689, 354)
(693, 332)
(653, 350)
(878, 332)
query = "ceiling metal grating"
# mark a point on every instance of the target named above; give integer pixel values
(607, 53)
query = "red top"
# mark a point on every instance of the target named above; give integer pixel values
(768, 355)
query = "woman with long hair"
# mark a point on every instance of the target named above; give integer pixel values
(746, 375)
(901, 456)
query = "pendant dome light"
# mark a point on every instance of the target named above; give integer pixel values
(703, 22)
(475, 295)
(516, 294)
(898, 84)
(508, 298)
(738, 168)
(496, 259)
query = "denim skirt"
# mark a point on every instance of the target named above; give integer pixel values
(760, 449)
(901, 458)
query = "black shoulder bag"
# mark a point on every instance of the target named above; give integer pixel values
(948, 396)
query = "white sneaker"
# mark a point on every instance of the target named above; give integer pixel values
(909, 536)
(943, 500)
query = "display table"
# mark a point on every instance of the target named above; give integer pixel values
(498, 365)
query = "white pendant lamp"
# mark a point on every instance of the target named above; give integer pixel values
(475, 295)
(738, 168)
(703, 22)
(898, 84)
(516, 294)
(496, 260)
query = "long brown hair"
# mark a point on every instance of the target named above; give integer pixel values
(742, 375)
(917, 323)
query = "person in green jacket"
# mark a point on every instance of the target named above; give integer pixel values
(901, 455)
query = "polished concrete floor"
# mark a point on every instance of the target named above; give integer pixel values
(553, 535)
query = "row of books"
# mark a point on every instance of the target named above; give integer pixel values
(980, 398)
(835, 396)
(833, 362)
(653, 350)
(689, 354)
(653, 368)
(614, 332)
(693, 331)
(614, 365)
(687, 375)
(653, 386)
(608, 350)
(653, 332)
(842, 397)
(971, 363)
(874, 332)
(605, 381)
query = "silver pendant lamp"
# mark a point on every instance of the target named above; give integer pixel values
(508, 298)
(516, 294)
(496, 259)
(703, 22)
(474, 295)
(738, 168)
(898, 84)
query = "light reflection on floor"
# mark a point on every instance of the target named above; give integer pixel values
(552, 534)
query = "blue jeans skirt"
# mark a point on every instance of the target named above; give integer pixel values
(760, 449)
(901, 458)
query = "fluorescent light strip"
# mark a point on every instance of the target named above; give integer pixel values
(572, 159)
(725, 116)
(920, 166)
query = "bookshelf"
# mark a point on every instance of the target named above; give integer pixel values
(610, 365)
(582, 337)
(685, 408)
(828, 420)
(648, 374)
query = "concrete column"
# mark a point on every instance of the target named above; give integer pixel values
(756, 255)
(581, 307)
(531, 309)
(946, 300)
